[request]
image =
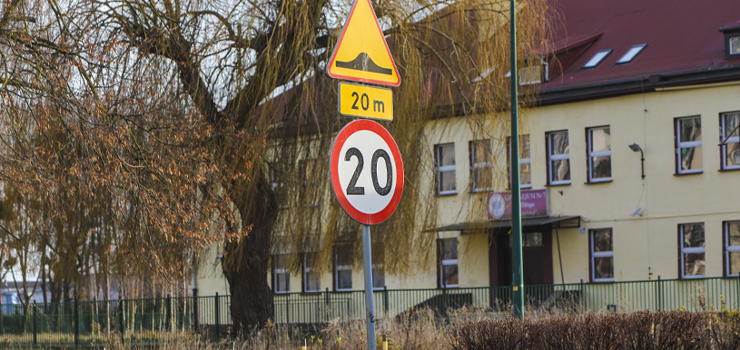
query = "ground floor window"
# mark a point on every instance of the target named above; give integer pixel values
(311, 276)
(448, 268)
(281, 274)
(602, 255)
(378, 268)
(732, 247)
(692, 259)
(343, 270)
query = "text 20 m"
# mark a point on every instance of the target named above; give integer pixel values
(364, 103)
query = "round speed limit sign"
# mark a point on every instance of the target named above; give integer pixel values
(366, 171)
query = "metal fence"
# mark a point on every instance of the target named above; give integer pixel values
(145, 321)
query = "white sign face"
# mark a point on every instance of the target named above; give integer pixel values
(372, 149)
(366, 172)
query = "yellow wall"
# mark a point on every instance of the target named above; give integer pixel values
(642, 244)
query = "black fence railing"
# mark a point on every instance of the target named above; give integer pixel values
(148, 321)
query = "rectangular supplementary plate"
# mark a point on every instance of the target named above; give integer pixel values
(363, 101)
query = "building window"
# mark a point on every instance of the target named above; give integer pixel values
(343, 268)
(602, 255)
(692, 250)
(732, 248)
(281, 274)
(525, 176)
(278, 187)
(311, 276)
(599, 154)
(735, 45)
(309, 171)
(558, 158)
(444, 161)
(598, 57)
(378, 268)
(730, 140)
(631, 53)
(481, 174)
(688, 145)
(448, 272)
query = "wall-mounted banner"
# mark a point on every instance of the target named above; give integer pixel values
(534, 204)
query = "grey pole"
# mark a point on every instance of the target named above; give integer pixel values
(368, 267)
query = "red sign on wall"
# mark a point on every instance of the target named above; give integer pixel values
(534, 204)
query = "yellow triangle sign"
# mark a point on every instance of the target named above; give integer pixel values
(361, 53)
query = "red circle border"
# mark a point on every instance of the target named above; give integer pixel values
(344, 134)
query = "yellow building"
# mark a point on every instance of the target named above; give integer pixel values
(631, 165)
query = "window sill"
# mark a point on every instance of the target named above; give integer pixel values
(692, 173)
(725, 170)
(446, 194)
(343, 291)
(281, 293)
(556, 185)
(611, 280)
(455, 286)
(481, 191)
(689, 278)
(311, 292)
(598, 182)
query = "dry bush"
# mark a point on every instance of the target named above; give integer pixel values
(639, 330)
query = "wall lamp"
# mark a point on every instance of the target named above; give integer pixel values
(635, 147)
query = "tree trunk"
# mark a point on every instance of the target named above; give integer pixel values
(245, 261)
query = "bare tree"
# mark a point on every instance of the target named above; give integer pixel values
(185, 124)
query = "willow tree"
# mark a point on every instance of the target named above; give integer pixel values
(210, 121)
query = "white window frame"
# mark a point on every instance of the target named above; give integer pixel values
(440, 169)
(686, 144)
(730, 140)
(310, 183)
(730, 45)
(473, 165)
(276, 185)
(695, 250)
(595, 254)
(729, 248)
(279, 271)
(592, 154)
(306, 270)
(448, 262)
(336, 275)
(554, 157)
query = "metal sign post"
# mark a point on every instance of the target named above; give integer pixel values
(368, 268)
(367, 178)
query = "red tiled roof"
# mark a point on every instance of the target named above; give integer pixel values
(681, 36)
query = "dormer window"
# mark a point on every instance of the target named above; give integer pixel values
(735, 45)
(731, 33)
(598, 57)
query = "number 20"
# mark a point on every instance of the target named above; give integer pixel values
(352, 188)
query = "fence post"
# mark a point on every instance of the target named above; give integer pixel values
(385, 298)
(218, 321)
(660, 294)
(326, 301)
(35, 342)
(2, 312)
(583, 297)
(168, 314)
(77, 323)
(287, 308)
(195, 310)
(444, 301)
(123, 327)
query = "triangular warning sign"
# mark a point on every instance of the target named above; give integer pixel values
(361, 53)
